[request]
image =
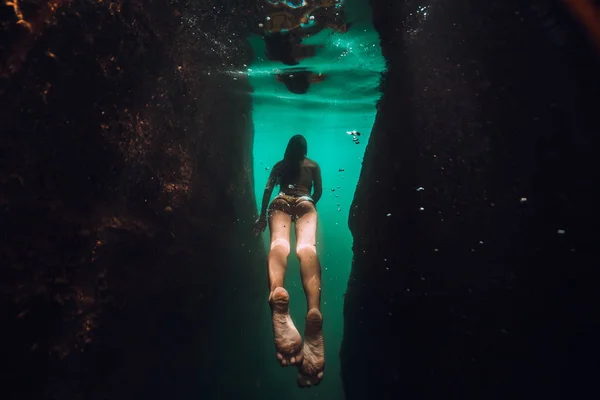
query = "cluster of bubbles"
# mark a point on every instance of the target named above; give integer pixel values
(355, 135)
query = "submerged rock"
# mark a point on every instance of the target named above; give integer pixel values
(502, 321)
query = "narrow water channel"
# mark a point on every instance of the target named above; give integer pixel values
(342, 99)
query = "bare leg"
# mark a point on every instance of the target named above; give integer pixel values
(279, 226)
(288, 342)
(306, 250)
(310, 371)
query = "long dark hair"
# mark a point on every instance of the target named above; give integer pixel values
(295, 152)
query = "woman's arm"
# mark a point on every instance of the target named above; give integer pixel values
(317, 184)
(271, 183)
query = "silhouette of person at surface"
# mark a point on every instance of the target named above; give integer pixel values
(287, 22)
(299, 81)
(296, 175)
(288, 48)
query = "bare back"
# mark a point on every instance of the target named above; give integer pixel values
(302, 184)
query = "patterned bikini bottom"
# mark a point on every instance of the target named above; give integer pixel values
(291, 202)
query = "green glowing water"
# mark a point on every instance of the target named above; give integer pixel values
(345, 101)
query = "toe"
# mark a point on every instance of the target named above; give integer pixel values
(279, 356)
(308, 381)
(302, 381)
(299, 358)
(315, 380)
(284, 362)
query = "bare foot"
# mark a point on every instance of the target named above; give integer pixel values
(310, 373)
(288, 341)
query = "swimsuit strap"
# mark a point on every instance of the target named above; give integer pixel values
(298, 187)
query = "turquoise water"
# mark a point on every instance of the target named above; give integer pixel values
(345, 101)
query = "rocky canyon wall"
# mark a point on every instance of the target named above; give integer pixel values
(126, 198)
(474, 265)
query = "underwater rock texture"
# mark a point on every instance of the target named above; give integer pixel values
(474, 275)
(126, 199)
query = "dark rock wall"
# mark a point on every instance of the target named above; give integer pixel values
(126, 198)
(475, 217)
